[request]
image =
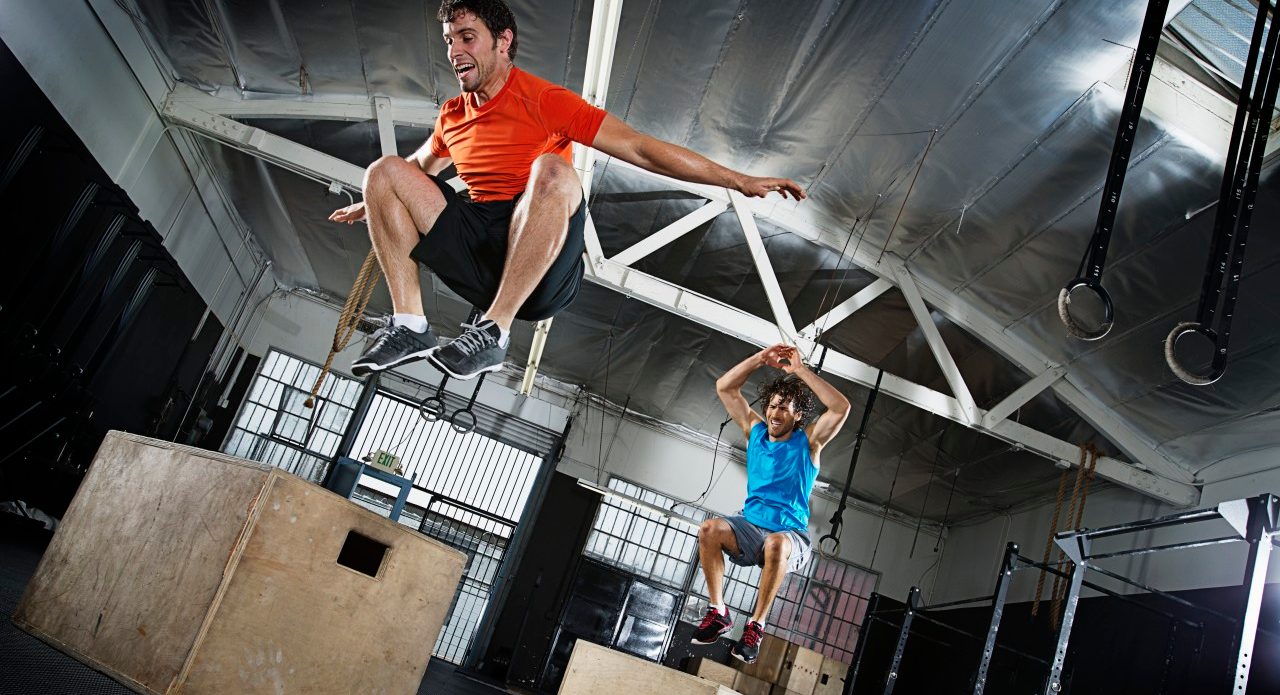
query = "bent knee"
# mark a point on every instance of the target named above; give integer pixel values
(385, 170)
(552, 175)
(713, 530)
(777, 544)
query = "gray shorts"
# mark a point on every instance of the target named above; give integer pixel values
(751, 545)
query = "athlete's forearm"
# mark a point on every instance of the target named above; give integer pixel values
(828, 395)
(733, 380)
(679, 163)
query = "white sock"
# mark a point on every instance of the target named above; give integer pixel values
(503, 339)
(414, 322)
(720, 608)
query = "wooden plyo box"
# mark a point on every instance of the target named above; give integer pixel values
(595, 669)
(712, 671)
(800, 670)
(831, 680)
(183, 569)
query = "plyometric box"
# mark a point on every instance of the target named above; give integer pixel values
(182, 569)
(594, 669)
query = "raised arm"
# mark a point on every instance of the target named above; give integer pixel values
(828, 425)
(617, 139)
(729, 388)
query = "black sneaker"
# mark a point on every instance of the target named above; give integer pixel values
(748, 648)
(393, 346)
(474, 352)
(713, 625)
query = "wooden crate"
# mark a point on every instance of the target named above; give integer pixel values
(182, 569)
(831, 680)
(595, 669)
(800, 670)
(703, 667)
(768, 664)
(750, 685)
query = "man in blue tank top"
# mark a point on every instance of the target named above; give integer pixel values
(782, 464)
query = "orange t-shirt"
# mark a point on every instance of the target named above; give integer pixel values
(494, 144)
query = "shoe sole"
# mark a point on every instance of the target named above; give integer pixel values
(739, 658)
(461, 377)
(367, 368)
(715, 639)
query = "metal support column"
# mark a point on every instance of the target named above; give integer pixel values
(520, 536)
(1075, 549)
(1262, 526)
(1003, 580)
(353, 427)
(864, 635)
(895, 668)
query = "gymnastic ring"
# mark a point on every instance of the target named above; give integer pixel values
(1064, 312)
(431, 409)
(835, 549)
(1218, 368)
(463, 429)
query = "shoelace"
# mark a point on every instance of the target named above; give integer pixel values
(709, 619)
(751, 635)
(473, 340)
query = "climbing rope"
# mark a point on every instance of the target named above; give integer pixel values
(1048, 543)
(1075, 516)
(352, 312)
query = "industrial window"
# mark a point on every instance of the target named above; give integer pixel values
(274, 426)
(643, 541)
(1209, 40)
(819, 608)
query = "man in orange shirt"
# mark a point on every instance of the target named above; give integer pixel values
(515, 249)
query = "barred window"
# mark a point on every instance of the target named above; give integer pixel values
(275, 426)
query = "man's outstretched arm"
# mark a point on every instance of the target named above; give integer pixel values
(617, 139)
(729, 387)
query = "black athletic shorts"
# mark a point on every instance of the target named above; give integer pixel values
(467, 249)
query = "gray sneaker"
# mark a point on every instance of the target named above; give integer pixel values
(474, 352)
(394, 346)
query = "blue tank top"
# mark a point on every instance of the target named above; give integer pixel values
(780, 476)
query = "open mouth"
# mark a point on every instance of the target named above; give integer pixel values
(463, 70)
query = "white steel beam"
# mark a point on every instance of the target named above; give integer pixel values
(808, 222)
(1021, 396)
(670, 233)
(230, 103)
(386, 125)
(606, 15)
(722, 317)
(777, 303)
(757, 331)
(260, 143)
(947, 363)
(845, 309)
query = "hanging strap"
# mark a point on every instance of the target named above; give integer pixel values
(352, 312)
(1235, 207)
(837, 519)
(1089, 274)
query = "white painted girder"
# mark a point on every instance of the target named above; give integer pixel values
(806, 221)
(232, 104)
(845, 309)
(1021, 396)
(947, 363)
(670, 233)
(764, 268)
(761, 332)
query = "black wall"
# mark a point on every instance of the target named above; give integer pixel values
(97, 322)
(525, 627)
(1115, 647)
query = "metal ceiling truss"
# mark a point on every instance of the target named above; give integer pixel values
(1154, 475)
(609, 272)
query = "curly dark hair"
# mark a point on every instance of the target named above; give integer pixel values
(494, 13)
(793, 391)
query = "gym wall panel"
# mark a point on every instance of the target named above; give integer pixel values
(68, 50)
